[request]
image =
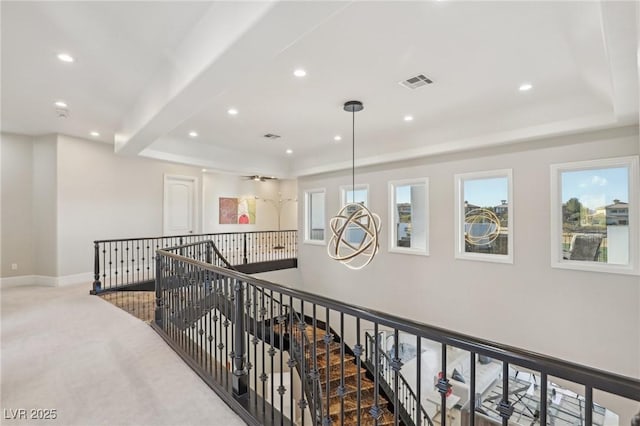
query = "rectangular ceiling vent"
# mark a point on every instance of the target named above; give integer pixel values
(415, 82)
(271, 136)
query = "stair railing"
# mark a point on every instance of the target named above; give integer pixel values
(126, 262)
(306, 364)
(404, 396)
(217, 346)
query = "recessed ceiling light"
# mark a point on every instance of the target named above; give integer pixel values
(193, 134)
(65, 57)
(299, 72)
(408, 118)
(94, 134)
(60, 104)
(289, 151)
(204, 170)
(337, 138)
(232, 111)
(525, 87)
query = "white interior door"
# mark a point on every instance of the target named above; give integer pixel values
(179, 205)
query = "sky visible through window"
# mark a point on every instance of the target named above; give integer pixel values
(596, 187)
(486, 192)
(403, 194)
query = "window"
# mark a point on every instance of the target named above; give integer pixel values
(359, 194)
(314, 216)
(484, 216)
(594, 215)
(408, 216)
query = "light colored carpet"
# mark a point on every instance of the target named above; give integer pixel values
(95, 364)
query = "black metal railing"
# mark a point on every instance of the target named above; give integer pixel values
(240, 334)
(128, 262)
(395, 384)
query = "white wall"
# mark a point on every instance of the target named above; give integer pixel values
(587, 317)
(102, 195)
(60, 193)
(45, 208)
(289, 191)
(218, 185)
(17, 186)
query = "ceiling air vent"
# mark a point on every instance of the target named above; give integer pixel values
(271, 136)
(415, 82)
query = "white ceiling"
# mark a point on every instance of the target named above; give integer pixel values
(147, 73)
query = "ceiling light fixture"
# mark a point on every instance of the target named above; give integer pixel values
(337, 138)
(94, 134)
(232, 111)
(408, 118)
(524, 87)
(60, 104)
(289, 151)
(355, 229)
(193, 134)
(204, 170)
(299, 72)
(65, 57)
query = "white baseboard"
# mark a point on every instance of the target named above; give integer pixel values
(46, 281)
(19, 281)
(85, 277)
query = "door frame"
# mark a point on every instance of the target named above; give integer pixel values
(196, 200)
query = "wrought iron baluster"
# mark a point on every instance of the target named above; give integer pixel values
(395, 366)
(328, 338)
(418, 410)
(342, 390)
(472, 390)
(543, 398)
(255, 340)
(263, 376)
(588, 405)
(505, 409)
(314, 372)
(272, 352)
(281, 327)
(303, 364)
(357, 351)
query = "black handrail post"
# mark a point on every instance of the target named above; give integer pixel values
(158, 313)
(96, 269)
(209, 258)
(244, 249)
(240, 375)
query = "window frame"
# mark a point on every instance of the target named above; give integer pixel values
(459, 246)
(307, 218)
(393, 248)
(557, 261)
(345, 188)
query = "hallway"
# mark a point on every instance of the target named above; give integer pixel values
(94, 364)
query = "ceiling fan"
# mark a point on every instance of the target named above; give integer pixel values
(259, 178)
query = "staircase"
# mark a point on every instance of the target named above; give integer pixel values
(343, 409)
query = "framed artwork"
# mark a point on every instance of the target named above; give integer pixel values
(237, 211)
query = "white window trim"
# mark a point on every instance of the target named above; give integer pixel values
(345, 188)
(392, 215)
(632, 268)
(307, 224)
(459, 216)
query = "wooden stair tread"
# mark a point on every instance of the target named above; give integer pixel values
(351, 403)
(365, 418)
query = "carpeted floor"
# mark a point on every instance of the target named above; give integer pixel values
(64, 350)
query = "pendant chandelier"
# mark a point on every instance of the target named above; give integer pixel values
(355, 229)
